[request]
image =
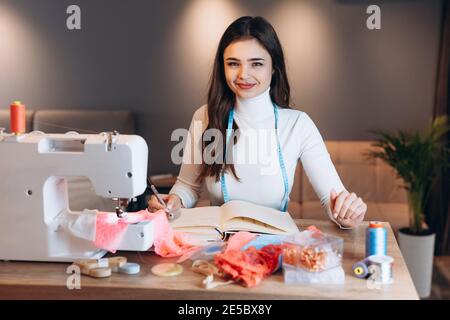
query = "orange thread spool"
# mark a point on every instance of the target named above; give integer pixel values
(17, 117)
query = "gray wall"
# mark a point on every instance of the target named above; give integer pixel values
(154, 58)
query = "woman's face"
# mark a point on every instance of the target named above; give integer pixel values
(248, 68)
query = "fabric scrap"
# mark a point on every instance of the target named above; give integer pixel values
(249, 266)
(110, 231)
(264, 240)
(238, 240)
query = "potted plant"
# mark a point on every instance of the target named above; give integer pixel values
(418, 158)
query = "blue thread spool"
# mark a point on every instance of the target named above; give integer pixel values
(376, 239)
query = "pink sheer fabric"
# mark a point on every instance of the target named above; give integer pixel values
(110, 230)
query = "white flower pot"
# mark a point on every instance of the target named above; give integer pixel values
(418, 252)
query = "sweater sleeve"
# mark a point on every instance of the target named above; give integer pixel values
(317, 164)
(186, 186)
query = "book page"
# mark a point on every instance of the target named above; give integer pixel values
(202, 234)
(251, 225)
(198, 217)
(275, 219)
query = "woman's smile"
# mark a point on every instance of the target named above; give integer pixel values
(245, 86)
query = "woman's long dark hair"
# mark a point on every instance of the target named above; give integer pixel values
(220, 97)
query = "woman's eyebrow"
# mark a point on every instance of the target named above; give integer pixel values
(251, 59)
(256, 59)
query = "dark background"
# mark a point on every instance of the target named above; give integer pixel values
(154, 58)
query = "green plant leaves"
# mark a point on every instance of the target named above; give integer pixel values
(417, 157)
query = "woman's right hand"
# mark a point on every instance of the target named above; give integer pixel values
(172, 201)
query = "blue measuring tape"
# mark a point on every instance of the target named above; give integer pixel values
(226, 197)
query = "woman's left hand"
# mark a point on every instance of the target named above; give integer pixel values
(347, 208)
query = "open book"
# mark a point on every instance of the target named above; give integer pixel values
(233, 216)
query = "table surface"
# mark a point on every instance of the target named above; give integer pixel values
(43, 280)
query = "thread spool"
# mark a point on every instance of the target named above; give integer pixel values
(17, 117)
(167, 269)
(116, 262)
(361, 269)
(100, 272)
(383, 268)
(376, 239)
(130, 268)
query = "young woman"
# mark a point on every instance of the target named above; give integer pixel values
(249, 92)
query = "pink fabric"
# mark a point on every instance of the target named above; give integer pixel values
(110, 230)
(313, 228)
(317, 233)
(251, 265)
(238, 240)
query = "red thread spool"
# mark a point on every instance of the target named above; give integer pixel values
(17, 117)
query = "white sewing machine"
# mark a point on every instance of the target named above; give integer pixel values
(36, 223)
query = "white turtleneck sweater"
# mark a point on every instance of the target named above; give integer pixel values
(261, 180)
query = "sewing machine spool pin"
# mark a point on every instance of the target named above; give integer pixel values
(110, 138)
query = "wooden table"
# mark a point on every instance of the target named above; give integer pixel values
(38, 280)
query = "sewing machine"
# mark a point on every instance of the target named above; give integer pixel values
(36, 223)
